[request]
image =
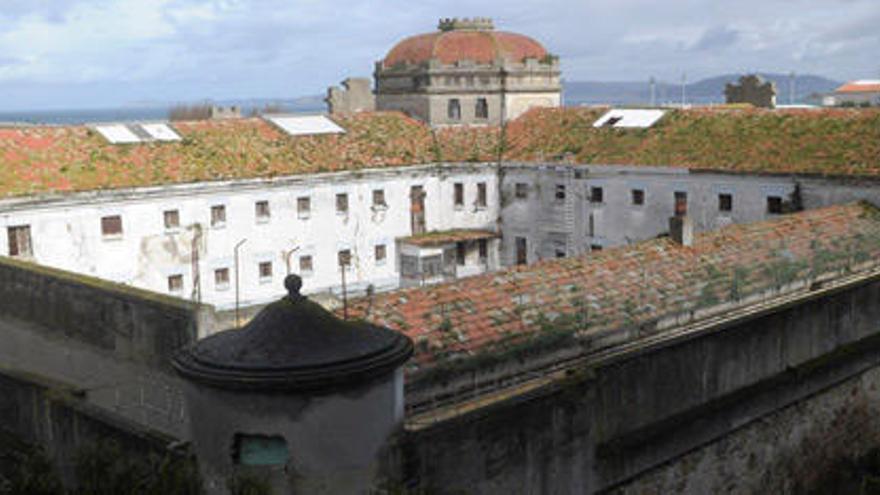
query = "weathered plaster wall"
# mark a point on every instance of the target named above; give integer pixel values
(614, 420)
(335, 440)
(66, 230)
(132, 324)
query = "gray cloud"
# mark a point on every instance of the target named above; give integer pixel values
(242, 48)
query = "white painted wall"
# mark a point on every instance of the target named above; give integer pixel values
(66, 230)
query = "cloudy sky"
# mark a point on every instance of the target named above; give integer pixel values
(98, 53)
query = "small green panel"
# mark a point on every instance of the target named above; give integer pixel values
(260, 450)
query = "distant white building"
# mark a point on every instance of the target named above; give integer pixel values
(861, 92)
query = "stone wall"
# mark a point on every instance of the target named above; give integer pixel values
(41, 413)
(356, 95)
(132, 324)
(659, 416)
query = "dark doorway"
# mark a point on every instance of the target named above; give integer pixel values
(521, 251)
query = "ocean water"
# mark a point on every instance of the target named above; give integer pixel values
(130, 114)
(84, 116)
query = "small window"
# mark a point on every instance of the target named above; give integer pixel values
(591, 226)
(638, 197)
(305, 264)
(172, 219)
(20, 240)
(483, 249)
(379, 198)
(265, 269)
(303, 206)
(111, 226)
(458, 188)
(259, 450)
(381, 253)
(681, 203)
(597, 195)
(521, 190)
(261, 210)
(175, 283)
(342, 203)
(725, 202)
(453, 109)
(460, 253)
(559, 252)
(560, 192)
(344, 258)
(481, 194)
(595, 247)
(774, 205)
(481, 110)
(221, 278)
(218, 216)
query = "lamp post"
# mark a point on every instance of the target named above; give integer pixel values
(237, 321)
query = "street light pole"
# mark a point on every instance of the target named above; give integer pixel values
(237, 299)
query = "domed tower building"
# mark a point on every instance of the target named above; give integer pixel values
(467, 73)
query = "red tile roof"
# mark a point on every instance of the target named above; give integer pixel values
(449, 47)
(627, 285)
(859, 87)
(436, 238)
(57, 159)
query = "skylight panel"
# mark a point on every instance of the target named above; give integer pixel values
(160, 132)
(629, 118)
(304, 125)
(117, 134)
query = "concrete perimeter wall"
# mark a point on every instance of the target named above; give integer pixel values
(132, 324)
(633, 422)
(49, 415)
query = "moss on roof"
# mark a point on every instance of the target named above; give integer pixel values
(626, 286)
(36, 159)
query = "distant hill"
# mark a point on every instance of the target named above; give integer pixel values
(710, 90)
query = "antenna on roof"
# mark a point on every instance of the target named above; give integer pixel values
(653, 83)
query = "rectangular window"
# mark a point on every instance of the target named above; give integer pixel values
(218, 216)
(111, 226)
(344, 258)
(453, 109)
(638, 197)
(483, 249)
(221, 278)
(725, 202)
(381, 253)
(559, 252)
(171, 218)
(342, 203)
(521, 190)
(681, 203)
(560, 192)
(265, 270)
(458, 188)
(379, 198)
(305, 264)
(595, 247)
(481, 194)
(175, 283)
(303, 206)
(20, 240)
(521, 251)
(596, 194)
(774, 205)
(460, 252)
(481, 111)
(261, 211)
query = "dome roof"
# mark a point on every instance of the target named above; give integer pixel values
(294, 344)
(456, 40)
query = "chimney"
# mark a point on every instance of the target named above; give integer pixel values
(681, 230)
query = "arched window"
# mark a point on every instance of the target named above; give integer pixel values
(481, 110)
(453, 110)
